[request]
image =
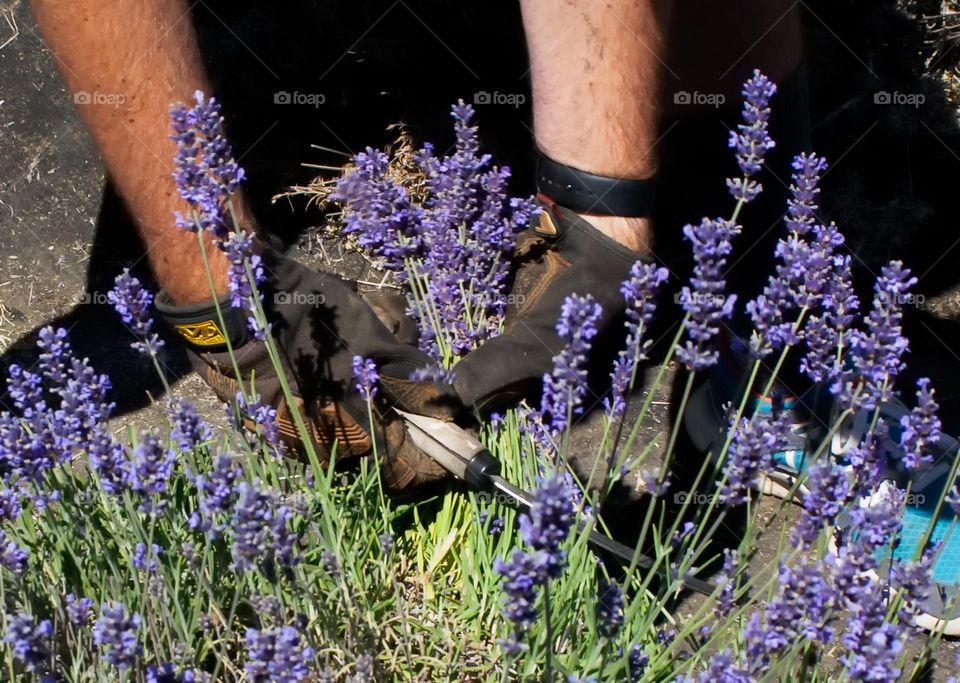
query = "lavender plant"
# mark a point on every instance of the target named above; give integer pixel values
(197, 553)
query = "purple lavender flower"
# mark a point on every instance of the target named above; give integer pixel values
(217, 494)
(807, 259)
(921, 428)
(544, 529)
(609, 608)
(804, 190)
(870, 530)
(549, 522)
(276, 654)
(467, 223)
(167, 673)
(914, 580)
(54, 356)
(637, 662)
(704, 300)
(140, 560)
(876, 353)
(29, 640)
(801, 609)
(263, 416)
(152, 465)
(727, 580)
(521, 576)
(132, 302)
(189, 430)
(108, 458)
(366, 375)
(10, 505)
(824, 334)
(873, 644)
(378, 211)
(723, 668)
(78, 610)
(261, 529)
(239, 250)
(206, 173)
(12, 556)
(752, 140)
(566, 387)
(116, 633)
(639, 292)
(829, 489)
(751, 449)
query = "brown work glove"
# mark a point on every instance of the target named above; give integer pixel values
(319, 324)
(561, 254)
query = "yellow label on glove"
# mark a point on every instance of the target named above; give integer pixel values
(205, 333)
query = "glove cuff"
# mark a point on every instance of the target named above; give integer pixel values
(200, 326)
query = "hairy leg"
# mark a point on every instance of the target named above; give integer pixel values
(138, 57)
(595, 70)
(602, 73)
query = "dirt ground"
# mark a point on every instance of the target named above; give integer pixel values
(64, 234)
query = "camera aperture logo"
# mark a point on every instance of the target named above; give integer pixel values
(312, 99)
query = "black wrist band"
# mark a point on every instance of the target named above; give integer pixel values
(584, 192)
(200, 325)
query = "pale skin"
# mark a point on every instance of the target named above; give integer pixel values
(601, 71)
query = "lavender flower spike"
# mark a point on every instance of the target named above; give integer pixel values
(877, 352)
(565, 388)
(639, 292)
(206, 173)
(704, 300)
(805, 190)
(752, 447)
(277, 654)
(133, 302)
(752, 140)
(921, 428)
(117, 634)
(365, 372)
(29, 640)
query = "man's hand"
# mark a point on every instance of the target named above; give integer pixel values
(319, 324)
(563, 254)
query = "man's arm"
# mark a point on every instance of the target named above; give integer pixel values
(126, 62)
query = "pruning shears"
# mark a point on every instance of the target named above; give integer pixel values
(462, 454)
